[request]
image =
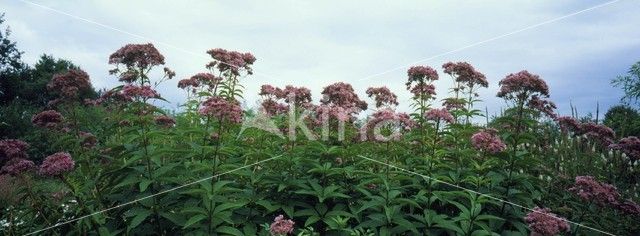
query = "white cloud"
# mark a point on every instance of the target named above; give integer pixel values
(315, 43)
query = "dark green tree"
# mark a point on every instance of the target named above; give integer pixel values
(12, 69)
(624, 120)
(630, 84)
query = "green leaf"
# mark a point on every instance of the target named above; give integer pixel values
(193, 220)
(140, 216)
(144, 184)
(229, 230)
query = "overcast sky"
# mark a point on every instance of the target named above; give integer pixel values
(316, 43)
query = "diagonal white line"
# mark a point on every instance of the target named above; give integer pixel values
(490, 39)
(133, 34)
(150, 196)
(481, 194)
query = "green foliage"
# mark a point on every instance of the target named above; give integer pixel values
(624, 120)
(630, 84)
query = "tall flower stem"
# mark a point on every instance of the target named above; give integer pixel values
(213, 172)
(145, 145)
(513, 156)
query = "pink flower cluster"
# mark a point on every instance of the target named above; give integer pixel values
(208, 79)
(383, 96)
(12, 149)
(281, 226)
(629, 207)
(188, 83)
(129, 76)
(164, 121)
(324, 113)
(219, 108)
(521, 85)
(50, 119)
(464, 72)
(395, 121)
(602, 134)
(419, 82)
(131, 91)
(439, 114)
(598, 132)
(13, 157)
(421, 74)
(488, 140)
(589, 189)
(543, 105)
(342, 95)
(17, 166)
(137, 55)
(69, 84)
(339, 101)
(423, 90)
(630, 146)
(544, 223)
(231, 61)
(271, 107)
(568, 124)
(57, 164)
(298, 96)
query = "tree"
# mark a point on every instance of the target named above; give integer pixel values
(624, 120)
(630, 84)
(12, 69)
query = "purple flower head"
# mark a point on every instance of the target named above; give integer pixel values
(488, 141)
(421, 74)
(270, 90)
(57, 164)
(300, 96)
(69, 84)
(17, 166)
(129, 76)
(220, 108)
(208, 79)
(281, 226)
(588, 189)
(137, 55)
(544, 223)
(543, 105)
(383, 96)
(464, 72)
(13, 149)
(439, 114)
(424, 91)
(271, 107)
(231, 61)
(188, 83)
(164, 121)
(130, 91)
(568, 124)
(522, 85)
(598, 132)
(629, 207)
(397, 122)
(340, 101)
(630, 146)
(47, 119)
